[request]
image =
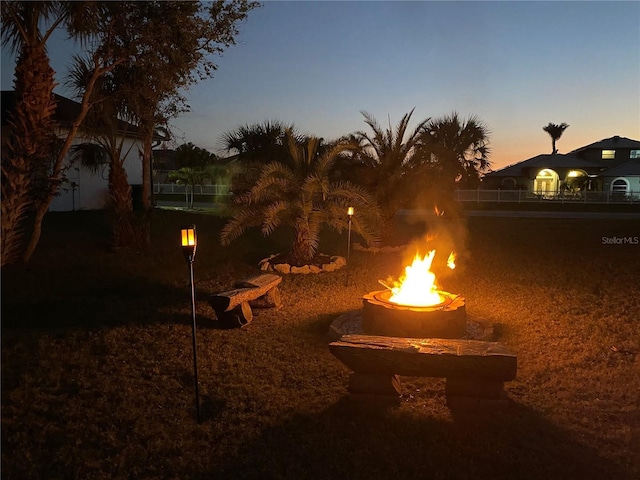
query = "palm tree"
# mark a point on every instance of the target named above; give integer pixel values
(173, 43)
(255, 145)
(33, 147)
(125, 230)
(297, 191)
(382, 162)
(456, 149)
(263, 142)
(31, 136)
(107, 124)
(555, 131)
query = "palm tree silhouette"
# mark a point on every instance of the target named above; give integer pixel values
(382, 160)
(297, 190)
(555, 131)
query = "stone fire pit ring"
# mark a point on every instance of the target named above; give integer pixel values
(444, 320)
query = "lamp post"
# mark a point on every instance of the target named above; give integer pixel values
(189, 243)
(350, 213)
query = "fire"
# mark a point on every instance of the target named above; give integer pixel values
(418, 286)
(451, 262)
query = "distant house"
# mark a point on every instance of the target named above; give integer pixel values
(164, 162)
(171, 188)
(610, 166)
(82, 188)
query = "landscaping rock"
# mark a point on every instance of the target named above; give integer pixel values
(303, 270)
(282, 268)
(336, 263)
(329, 267)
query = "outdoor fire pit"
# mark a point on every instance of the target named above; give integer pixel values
(415, 329)
(446, 319)
(414, 307)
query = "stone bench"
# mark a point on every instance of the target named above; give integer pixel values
(233, 307)
(475, 370)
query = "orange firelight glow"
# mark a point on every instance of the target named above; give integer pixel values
(451, 262)
(418, 286)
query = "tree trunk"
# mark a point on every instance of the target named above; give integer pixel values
(54, 178)
(302, 251)
(123, 226)
(27, 150)
(147, 200)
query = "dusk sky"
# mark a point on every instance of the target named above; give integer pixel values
(516, 65)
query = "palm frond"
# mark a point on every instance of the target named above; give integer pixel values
(238, 224)
(272, 216)
(91, 156)
(270, 187)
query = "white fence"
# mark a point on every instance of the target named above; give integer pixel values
(188, 196)
(180, 189)
(521, 196)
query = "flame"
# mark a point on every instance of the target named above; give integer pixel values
(451, 262)
(417, 288)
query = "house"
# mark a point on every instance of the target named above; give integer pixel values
(609, 168)
(83, 189)
(206, 187)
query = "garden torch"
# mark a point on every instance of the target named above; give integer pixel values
(189, 243)
(350, 212)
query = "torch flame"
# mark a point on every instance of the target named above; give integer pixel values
(417, 288)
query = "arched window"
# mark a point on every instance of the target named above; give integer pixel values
(576, 181)
(620, 186)
(508, 183)
(546, 183)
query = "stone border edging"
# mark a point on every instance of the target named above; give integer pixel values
(336, 263)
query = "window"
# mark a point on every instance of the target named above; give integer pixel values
(634, 154)
(608, 154)
(546, 183)
(509, 183)
(620, 186)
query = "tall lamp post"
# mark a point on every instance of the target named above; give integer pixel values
(189, 243)
(350, 213)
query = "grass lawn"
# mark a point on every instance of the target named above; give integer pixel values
(97, 373)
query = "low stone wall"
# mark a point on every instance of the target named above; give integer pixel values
(336, 263)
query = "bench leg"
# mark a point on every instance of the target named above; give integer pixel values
(236, 317)
(365, 386)
(271, 299)
(473, 393)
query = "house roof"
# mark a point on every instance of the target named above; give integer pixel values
(553, 161)
(632, 167)
(611, 143)
(67, 111)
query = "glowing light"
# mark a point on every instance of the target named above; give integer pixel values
(350, 211)
(451, 261)
(189, 236)
(417, 288)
